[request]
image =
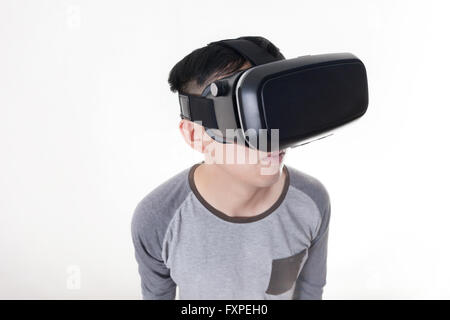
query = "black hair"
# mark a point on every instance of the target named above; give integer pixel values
(212, 60)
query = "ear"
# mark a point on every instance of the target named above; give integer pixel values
(194, 135)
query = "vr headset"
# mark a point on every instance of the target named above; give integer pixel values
(277, 104)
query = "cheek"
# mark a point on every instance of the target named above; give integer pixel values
(248, 156)
(238, 154)
(235, 154)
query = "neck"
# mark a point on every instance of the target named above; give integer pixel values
(234, 196)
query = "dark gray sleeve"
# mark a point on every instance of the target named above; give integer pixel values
(312, 278)
(147, 233)
(150, 222)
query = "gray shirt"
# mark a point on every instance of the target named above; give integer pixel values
(181, 240)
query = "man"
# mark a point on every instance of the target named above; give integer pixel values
(226, 228)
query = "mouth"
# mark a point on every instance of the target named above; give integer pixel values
(276, 156)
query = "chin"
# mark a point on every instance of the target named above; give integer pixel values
(269, 175)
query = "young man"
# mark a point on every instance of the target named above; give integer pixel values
(229, 229)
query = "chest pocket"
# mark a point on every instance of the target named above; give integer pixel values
(284, 273)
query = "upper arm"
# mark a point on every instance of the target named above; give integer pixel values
(312, 277)
(147, 233)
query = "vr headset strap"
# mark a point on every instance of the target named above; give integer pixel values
(197, 108)
(249, 50)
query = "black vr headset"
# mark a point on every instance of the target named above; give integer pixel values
(278, 104)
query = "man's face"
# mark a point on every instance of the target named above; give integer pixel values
(249, 165)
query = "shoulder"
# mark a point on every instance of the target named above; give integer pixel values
(154, 212)
(312, 187)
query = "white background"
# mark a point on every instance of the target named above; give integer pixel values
(88, 127)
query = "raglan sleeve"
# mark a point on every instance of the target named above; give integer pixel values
(312, 277)
(148, 230)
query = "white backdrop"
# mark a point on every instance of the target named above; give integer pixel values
(88, 127)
